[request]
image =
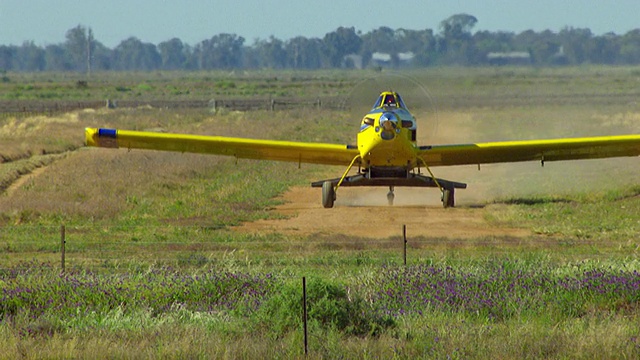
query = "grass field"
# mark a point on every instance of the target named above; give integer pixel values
(154, 266)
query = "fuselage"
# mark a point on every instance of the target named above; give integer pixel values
(387, 137)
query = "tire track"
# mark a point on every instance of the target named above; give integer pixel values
(363, 213)
(15, 174)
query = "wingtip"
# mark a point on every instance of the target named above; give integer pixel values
(101, 137)
(89, 135)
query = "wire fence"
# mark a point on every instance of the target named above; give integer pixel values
(94, 247)
(30, 108)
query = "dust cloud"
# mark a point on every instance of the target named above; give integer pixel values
(512, 180)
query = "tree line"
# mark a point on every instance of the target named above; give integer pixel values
(454, 44)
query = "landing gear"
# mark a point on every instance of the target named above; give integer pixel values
(448, 198)
(390, 179)
(328, 194)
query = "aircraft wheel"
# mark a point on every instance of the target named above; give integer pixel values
(448, 199)
(452, 202)
(328, 194)
(390, 196)
(445, 198)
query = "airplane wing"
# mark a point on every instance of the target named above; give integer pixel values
(302, 152)
(540, 150)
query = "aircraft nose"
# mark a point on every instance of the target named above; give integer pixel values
(388, 121)
(389, 124)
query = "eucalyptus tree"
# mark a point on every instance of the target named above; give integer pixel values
(222, 51)
(304, 53)
(173, 54)
(133, 54)
(340, 43)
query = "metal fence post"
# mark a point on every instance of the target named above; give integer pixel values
(63, 241)
(304, 314)
(404, 237)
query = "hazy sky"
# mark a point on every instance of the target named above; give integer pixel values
(47, 21)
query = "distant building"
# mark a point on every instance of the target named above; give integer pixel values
(406, 57)
(381, 59)
(509, 58)
(386, 60)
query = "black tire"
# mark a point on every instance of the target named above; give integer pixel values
(328, 195)
(390, 198)
(448, 199)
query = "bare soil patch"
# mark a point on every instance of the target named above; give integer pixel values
(364, 213)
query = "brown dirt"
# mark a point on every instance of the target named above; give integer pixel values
(363, 212)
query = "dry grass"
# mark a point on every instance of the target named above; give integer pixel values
(97, 184)
(38, 135)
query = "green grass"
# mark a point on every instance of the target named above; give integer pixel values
(606, 217)
(149, 235)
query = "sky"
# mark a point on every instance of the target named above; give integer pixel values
(46, 22)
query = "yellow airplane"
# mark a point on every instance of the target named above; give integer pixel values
(386, 152)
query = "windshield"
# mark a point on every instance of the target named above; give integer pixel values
(390, 99)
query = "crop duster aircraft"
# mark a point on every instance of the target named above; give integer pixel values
(385, 153)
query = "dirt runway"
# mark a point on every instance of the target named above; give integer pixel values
(363, 212)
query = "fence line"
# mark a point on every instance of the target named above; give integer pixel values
(27, 108)
(94, 250)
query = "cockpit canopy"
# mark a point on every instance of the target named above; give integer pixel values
(389, 99)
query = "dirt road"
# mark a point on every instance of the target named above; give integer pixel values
(363, 212)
